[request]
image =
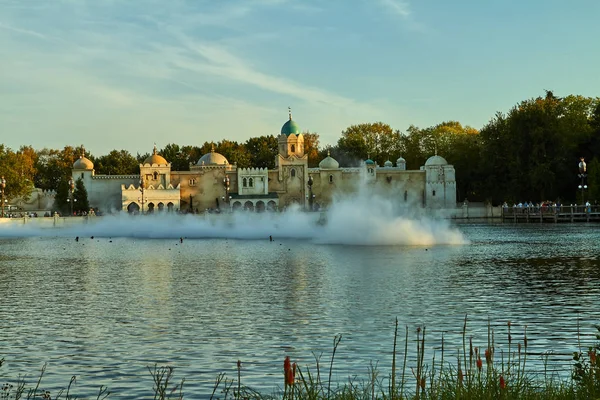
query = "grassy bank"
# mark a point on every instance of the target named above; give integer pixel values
(473, 372)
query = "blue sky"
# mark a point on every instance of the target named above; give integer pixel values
(115, 74)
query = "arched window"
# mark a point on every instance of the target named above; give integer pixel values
(405, 195)
(293, 148)
(370, 170)
(433, 193)
(245, 182)
(155, 175)
(82, 175)
(293, 173)
(251, 182)
(330, 178)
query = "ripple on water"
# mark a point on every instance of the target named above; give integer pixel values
(107, 311)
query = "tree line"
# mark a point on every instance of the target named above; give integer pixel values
(529, 153)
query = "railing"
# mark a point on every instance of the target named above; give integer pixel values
(551, 213)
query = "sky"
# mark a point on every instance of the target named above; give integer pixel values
(119, 74)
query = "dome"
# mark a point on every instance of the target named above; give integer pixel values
(290, 127)
(435, 160)
(388, 164)
(83, 163)
(369, 161)
(212, 158)
(401, 163)
(329, 163)
(155, 159)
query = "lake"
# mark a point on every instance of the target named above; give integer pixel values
(106, 309)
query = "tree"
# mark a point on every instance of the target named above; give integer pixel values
(376, 141)
(117, 162)
(60, 199)
(55, 165)
(262, 151)
(17, 171)
(80, 196)
(311, 148)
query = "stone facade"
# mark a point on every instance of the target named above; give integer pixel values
(214, 184)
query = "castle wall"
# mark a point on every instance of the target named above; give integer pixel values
(104, 191)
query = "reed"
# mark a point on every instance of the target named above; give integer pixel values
(474, 372)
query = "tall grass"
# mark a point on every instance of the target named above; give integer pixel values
(473, 372)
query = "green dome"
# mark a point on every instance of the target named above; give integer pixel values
(369, 162)
(290, 127)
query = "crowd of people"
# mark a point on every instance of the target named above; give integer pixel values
(545, 206)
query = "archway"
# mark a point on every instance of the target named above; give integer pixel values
(248, 206)
(161, 207)
(271, 206)
(170, 207)
(237, 205)
(150, 208)
(133, 208)
(260, 206)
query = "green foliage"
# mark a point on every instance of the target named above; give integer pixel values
(529, 153)
(262, 150)
(377, 141)
(60, 199)
(117, 162)
(586, 370)
(80, 196)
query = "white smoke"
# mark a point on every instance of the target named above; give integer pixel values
(361, 220)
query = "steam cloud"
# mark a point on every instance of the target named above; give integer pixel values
(361, 220)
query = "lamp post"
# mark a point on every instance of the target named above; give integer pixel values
(227, 198)
(310, 194)
(2, 186)
(142, 200)
(582, 175)
(71, 188)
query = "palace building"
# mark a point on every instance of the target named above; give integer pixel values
(215, 184)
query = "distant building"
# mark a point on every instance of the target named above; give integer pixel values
(214, 184)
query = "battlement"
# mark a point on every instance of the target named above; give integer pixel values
(253, 171)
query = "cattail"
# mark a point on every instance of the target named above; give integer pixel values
(460, 376)
(592, 355)
(488, 356)
(423, 383)
(479, 364)
(502, 383)
(287, 370)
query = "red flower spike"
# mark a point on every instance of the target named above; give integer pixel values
(488, 356)
(502, 383)
(479, 364)
(287, 369)
(592, 355)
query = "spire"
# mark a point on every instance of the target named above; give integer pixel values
(290, 112)
(328, 153)
(212, 148)
(154, 152)
(82, 152)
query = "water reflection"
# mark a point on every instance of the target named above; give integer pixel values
(106, 308)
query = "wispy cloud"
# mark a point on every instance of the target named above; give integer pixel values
(398, 7)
